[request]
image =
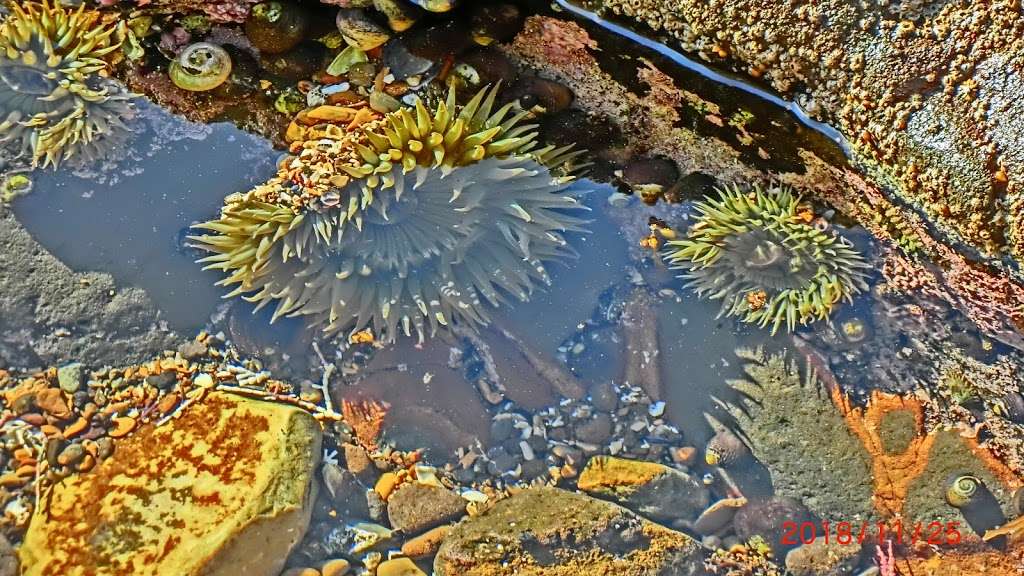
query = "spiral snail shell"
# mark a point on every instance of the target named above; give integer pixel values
(961, 490)
(724, 449)
(200, 67)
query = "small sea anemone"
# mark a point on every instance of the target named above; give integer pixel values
(756, 252)
(409, 222)
(54, 99)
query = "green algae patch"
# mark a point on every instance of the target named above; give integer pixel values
(796, 431)
(898, 429)
(950, 456)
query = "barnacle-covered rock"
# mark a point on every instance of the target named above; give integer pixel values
(54, 101)
(406, 224)
(757, 252)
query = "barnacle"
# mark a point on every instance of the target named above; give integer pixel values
(754, 251)
(410, 222)
(54, 100)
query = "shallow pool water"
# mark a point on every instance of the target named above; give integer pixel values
(618, 356)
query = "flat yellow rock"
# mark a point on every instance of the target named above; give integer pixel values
(222, 490)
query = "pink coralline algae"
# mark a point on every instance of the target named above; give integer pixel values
(218, 11)
(555, 41)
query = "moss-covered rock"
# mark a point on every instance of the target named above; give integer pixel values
(224, 489)
(648, 488)
(796, 431)
(950, 456)
(552, 532)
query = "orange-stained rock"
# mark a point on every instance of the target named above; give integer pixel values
(224, 489)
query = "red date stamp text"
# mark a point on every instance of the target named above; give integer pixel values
(933, 533)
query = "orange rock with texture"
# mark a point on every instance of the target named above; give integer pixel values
(222, 490)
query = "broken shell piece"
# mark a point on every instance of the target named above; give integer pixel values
(427, 475)
(474, 496)
(122, 426)
(718, 516)
(367, 536)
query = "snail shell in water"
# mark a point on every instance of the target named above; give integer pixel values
(960, 490)
(276, 27)
(201, 66)
(724, 449)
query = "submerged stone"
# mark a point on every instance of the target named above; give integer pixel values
(223, 489)
(654, 490)
(547, 531)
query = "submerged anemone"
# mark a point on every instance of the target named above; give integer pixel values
(757, 253)
(54, 100)
(410, 222)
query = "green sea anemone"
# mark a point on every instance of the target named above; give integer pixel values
(756, 251)
(54, 100)
(412, 222)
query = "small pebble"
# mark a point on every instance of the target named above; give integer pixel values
(70, 377)
(399, 567)
(335, 567)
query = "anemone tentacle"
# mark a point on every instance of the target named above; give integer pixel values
(55, 100)
(436, 216)
(752, 250)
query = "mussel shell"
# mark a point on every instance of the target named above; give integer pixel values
(359, 30)
(435, 5)
(401, 62)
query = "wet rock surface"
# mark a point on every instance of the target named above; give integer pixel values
(415, 508)
(919, 89)
(654, 490)
(223, 489)
(547, 531)
(823, 559)
(50, 314)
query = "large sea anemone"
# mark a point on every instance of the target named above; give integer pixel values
(411, 222)
(54, 100)
(756, 251)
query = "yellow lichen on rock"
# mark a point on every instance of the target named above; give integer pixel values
(223, 489)
(608, 472)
